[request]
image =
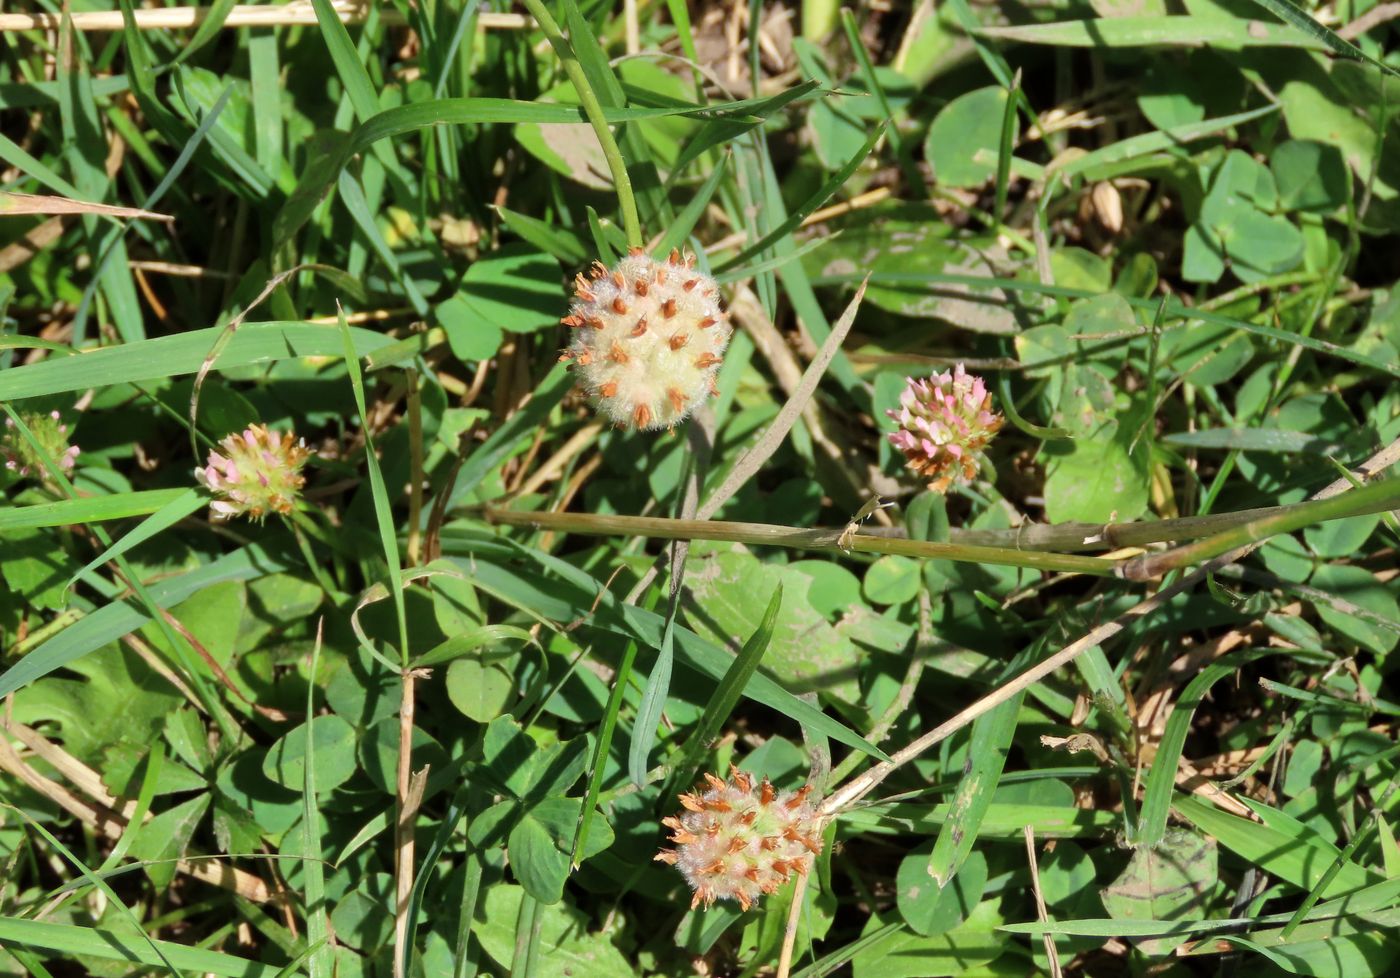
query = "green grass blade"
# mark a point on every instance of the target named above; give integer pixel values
(383, 509)
(87, 509)
(162, 519)
(111, 622)
(989, 743)
(1290, 852)
(549, 598)
(727, 693)
(1161, 780)
(794, 220)
(1299, 18)
(133, 947)
(182, 354)
(679, 229)
(321, 963)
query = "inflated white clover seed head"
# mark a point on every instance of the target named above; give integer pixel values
(944, 421)
(648, 338)
(737, 840)
(255, 472)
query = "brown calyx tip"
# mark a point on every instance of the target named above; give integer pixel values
(635, 250)
(668, 308)
(640, 286)
(618, 280)
(598, 269)
(799, 796)
(702, 361)
(640, 328)
(617, 354)
(667, 856)
(618, 306)
(691, 803)
(676, 398)
(642, 416)
(571, 320)
(741, 779)
(608, 390)
(675, 256)
(765, 792)
(714, 782)
(678, 340)
(735, 845)
(707, 322)
(690, 284)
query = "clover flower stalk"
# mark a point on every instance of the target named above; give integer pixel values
(51, 435)
(253, 473)
(648, 338)
(944, 420)
(737, 840)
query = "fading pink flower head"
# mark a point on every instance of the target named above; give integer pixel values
(741, 839)
(943, 422)
(21, 458)
(254, 472)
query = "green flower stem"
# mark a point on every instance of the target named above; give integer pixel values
(769, 535)
(1377, 496)
(626, 202)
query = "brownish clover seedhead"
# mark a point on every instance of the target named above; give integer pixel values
(737, 840)
(648, 338)
(255, 472)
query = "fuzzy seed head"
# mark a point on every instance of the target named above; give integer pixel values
(943, 422)
(648, 337)
(50, 432)
(737, 840)
(253, 473)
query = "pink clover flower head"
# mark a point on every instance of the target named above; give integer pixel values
(50, 431)
(254, 472)
(944, 421)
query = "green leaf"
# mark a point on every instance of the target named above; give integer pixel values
(1171, 879)
(481, 689)
(1097, 482)
(929, 908)
(516, 289)
(163, 839)
(904, 954)
(334, 743)
(891, 580)
(540, 846)
(963, 142)
(1311, 176)
(567, 948)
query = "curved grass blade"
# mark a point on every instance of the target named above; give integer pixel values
(167, 516)
(1161, 779)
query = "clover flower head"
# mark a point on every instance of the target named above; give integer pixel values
(648, 338)
(738, 840)
(944, 420)
(50, 432)
(254, 472)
